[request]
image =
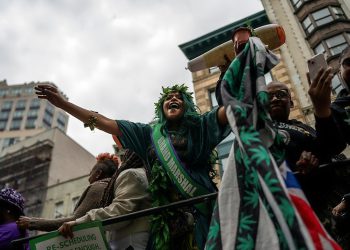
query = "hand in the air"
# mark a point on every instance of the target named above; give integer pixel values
(50, 93)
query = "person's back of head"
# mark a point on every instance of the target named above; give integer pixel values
(11, 208)
(130, 160)
(105, 167)
(11, 205)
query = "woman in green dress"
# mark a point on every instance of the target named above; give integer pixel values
(177, 147)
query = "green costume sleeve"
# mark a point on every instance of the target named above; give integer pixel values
(215, 132)
(135, 136)
(204, 140)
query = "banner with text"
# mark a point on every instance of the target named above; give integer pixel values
(87, 236)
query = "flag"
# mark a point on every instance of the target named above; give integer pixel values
(260, 204)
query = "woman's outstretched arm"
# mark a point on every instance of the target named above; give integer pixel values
(51, 93)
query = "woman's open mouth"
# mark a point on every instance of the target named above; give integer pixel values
(174, 105)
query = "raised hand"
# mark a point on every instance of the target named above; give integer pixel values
(66, 230)
(50, 93)
(320, 92)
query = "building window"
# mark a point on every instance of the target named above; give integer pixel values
(4, 115)
(268, 77)
(322, 17)
(74, 203)
(35, 104)
(338, 12)
(29, 90)
(336, 44)
(61, 121)
(296, 3)
(47, 120)
(308, 25)
(58, 212)
(49, 108)
(32, 113)
(30, 123)
(336, 85)
(3, 92)
(214, 70)
(3, 125)
(213, 100)
(15, 124)
(319, 49)
(9, 141)
(17, 115)
(15, 91)
(21, 104)
(6, 105)
(333, 45)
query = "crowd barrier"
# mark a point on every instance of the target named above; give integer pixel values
(199, 199)
(141, 213)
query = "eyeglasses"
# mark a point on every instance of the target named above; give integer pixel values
(279, 94)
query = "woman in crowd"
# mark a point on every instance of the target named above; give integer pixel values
(178, 149)
(11, 207)
(125, 193)
(99, 177)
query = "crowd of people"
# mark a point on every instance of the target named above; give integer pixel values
(172, 158)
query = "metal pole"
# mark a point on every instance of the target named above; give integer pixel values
(141, 213)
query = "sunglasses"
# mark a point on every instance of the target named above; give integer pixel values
(279, 94)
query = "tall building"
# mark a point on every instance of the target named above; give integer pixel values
(62, 198)
(23, 115)
(312, 27)
(204, 81)
(35, 165)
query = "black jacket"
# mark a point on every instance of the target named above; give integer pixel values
(324, 142)
(341, 113)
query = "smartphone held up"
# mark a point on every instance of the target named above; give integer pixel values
(315, 64)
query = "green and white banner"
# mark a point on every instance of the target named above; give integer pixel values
(87, 236)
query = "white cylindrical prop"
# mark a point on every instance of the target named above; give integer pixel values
(272, 35)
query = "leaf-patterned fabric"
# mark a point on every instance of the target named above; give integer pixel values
(260, 205)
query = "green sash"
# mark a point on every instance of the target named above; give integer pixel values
(173, 167)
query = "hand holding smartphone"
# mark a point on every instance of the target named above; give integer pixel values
(320, 88)
(315, 64)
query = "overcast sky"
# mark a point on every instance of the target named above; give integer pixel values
(108, 56)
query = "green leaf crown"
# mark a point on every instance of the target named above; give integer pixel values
(183, 89)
